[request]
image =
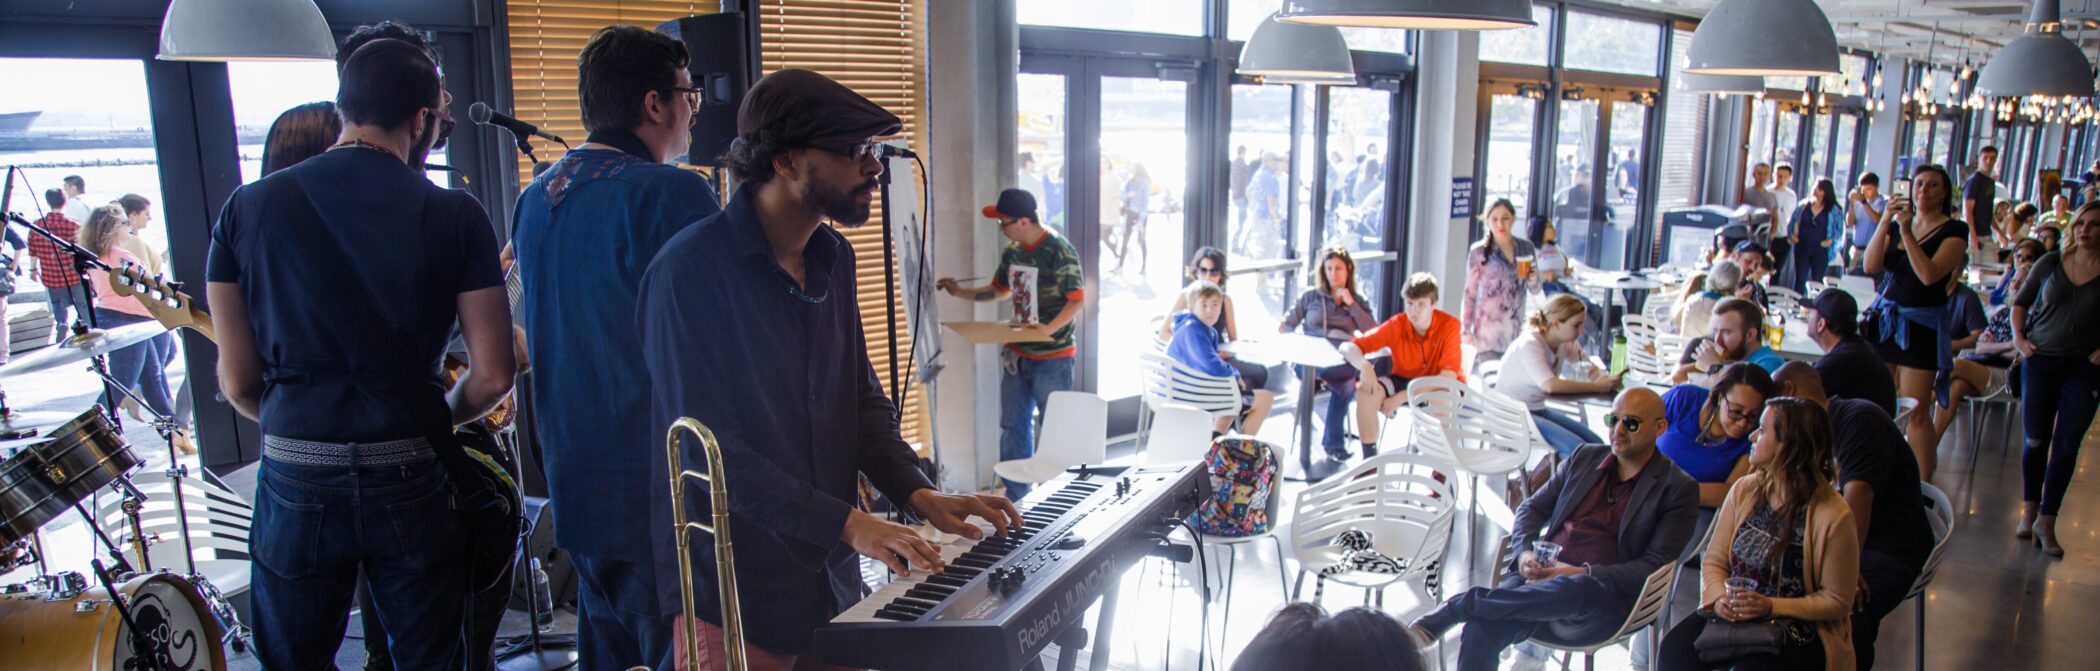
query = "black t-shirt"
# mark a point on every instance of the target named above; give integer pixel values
(352, 285)
(1851, 369)
(1901, 284)
(1871, 449)
(1984, 190)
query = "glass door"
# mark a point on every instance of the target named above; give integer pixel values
(1575, 145)
(1359, 123)
(1598, 178)
(1143, 175)
(1506, 147)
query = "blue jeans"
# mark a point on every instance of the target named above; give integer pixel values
(1341, 391)
(2061, 394)
(1024, 391)
(1570, 609)
(616, 626)
(73, 299)
(316, 526)
(143, 366)
(1564, 433)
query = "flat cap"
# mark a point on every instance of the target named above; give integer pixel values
(802, 107)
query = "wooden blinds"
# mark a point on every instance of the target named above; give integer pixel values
(872, 46)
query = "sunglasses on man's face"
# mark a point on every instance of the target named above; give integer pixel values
(1615, 420)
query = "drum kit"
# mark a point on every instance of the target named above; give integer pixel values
(122, 617)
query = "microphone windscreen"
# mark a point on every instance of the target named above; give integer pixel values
(479, 112)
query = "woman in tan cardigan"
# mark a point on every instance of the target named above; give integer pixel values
(1784, 527)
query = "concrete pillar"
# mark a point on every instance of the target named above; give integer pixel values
(972, 62)
(1447, 101)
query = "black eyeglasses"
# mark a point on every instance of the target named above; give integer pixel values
(1726, 408)
(1206, 270)
(1613, 420)
(862, 151)
(692, 95)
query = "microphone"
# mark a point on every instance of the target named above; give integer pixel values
(481, 113)
(889, 151)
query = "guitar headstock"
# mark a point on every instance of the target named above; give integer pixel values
(169, 305)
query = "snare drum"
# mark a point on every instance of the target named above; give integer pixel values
(85, 632)
(44, 478)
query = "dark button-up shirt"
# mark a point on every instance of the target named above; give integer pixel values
(585, 231)
(780, 374)
(1591, 533)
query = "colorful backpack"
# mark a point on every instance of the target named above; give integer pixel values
(1243, 474)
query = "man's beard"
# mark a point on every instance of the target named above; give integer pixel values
(839, 205)
(419, 144)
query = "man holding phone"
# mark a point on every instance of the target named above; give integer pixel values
(1865, 203)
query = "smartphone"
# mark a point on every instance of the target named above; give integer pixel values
(1901, 187)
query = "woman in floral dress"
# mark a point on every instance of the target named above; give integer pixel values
(1490, 317)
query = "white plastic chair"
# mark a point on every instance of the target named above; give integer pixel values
(1940, 514)
(1904, 406)
(1647, 611)
(1979, 414)
(219, 521)
(1075, 432)
(1392, 497)
(1180, 433)
(1225, 550)
(1644, 352)
(1483, 434)
(1166, 381)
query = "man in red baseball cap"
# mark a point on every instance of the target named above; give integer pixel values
(1040, 271)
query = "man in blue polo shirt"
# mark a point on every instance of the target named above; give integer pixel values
(750, 324)
(1865, 204)
(586, 229)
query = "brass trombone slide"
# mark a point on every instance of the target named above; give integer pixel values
(725, 561)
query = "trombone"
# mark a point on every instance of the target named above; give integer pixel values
(725, 562)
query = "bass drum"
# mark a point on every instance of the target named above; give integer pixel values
(85, 632)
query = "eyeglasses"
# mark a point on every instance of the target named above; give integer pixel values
(858, 152)
(1747, 418)
(1613, 420)
(692, 95)
(1207, 270)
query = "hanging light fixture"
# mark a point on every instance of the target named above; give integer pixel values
(1290, 53)
(1719, 84)
(2040, 62)
(245, 30)
(1417, 14)
(1773, 38)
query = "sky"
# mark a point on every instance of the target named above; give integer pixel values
(111, 93)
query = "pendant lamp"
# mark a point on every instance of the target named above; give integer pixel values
(1290, 53)
(1721, 84)
(2041, 62)
(1417, 14)
(245, 30)
(1767, 38)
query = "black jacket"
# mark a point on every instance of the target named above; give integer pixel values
(1654, 530)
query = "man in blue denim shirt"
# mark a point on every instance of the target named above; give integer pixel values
(750, 324)
(585, 231)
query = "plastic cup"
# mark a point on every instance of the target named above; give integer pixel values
(1548, 552)
(1740, 585)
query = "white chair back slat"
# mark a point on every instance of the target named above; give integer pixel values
(1393, 498)
(1940, 514)
(1166, 381)
(1180, 433)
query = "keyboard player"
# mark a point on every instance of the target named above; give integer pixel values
(750, 324)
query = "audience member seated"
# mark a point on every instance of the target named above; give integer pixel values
(1878, 478)
(2003, 290)
(1988, 366)
(1547, 359)
(1424, 342)
(1785, 550)
(1334, 310)
(1303, 637)
(1209, 265)
(1709, 430)
(1194, 342)
(1849, 367)
(1694, 316)
(1754, 259)
(1618, 513)
(1694, 286)
(1551, 263)
(1738, 335)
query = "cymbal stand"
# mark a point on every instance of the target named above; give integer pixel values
(147, 654)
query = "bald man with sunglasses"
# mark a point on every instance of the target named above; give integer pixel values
(1618, 513)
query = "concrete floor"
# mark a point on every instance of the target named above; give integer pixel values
(1998, 603)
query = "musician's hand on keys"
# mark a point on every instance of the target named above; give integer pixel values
(951, 512)
(890, 543)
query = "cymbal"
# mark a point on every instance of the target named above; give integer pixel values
(82, 347)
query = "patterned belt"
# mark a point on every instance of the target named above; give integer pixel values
(360, 455)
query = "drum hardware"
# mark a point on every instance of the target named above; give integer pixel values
(58, 586)
(141, 640)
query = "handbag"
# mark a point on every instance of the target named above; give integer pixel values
(1723, 640)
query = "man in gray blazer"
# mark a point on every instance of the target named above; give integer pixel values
(1618, 514)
